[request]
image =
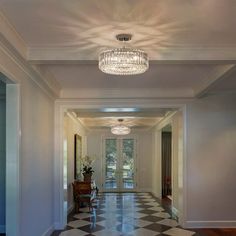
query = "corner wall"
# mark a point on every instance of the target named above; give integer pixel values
(211, 161)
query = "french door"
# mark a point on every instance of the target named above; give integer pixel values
(119, 164)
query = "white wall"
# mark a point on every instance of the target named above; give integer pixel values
(2, 155)
(36, 146)
(177, 164)
(71, 127)
(37, 133)
(211, 161)
(144, 157)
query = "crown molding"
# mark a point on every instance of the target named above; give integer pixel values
(63, 54)
(89, 103)
(127, 93)
(217, 74)
(10, 33)
(9, 55)
(77, 120)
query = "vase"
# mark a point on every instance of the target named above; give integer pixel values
(87, 177)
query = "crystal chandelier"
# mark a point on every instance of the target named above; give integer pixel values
(120, 129)
(124, 60)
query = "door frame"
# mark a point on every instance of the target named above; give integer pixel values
(13, 155)
(119, 144)
(182, 165)
(63, 105)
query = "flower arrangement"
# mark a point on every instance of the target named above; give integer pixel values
(87, 162)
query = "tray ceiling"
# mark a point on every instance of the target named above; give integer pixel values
(191, 44)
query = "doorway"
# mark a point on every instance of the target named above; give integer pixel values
(119, 164)
(166, 161)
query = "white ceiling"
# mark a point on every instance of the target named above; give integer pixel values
(107, 117)
(157, 26)
(132, 122)
(191, 44)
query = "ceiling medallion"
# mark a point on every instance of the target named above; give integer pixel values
(124, 60)
(120, 129)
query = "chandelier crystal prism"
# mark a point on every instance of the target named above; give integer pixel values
(120, 129)
(124, 60)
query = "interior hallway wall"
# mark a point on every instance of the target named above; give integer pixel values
(37, 151)
(2, 155)
(71, 127)
(36, 161)
(144, 156)
(211, 161)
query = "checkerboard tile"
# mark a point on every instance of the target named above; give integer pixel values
(78, 223)
(162, 214)
(73, 232)
(179, 232)
(139, 223)
(129, 214)
(157, 209)
(108, 224)
(142, 232)
(82, 215)
(107, 233)
(169, 222)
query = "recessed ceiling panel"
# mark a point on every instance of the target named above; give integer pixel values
(158, 76)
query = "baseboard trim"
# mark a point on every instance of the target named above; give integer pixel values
(144, 190)
(210, 224)
(49, 231)
(58, 226)
(2, 229)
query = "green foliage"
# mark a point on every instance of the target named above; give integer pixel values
(87, 164)
(87, 169)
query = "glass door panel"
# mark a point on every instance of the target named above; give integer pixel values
(111, 164)
(119, 164)
(128, 163)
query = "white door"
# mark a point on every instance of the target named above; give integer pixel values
(119, 164)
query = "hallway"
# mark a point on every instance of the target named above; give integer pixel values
(125, 214)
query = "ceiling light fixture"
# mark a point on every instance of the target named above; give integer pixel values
(125, 109)
(124, 60)
(120, 129)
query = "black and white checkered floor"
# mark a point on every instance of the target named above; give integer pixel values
(129, 214)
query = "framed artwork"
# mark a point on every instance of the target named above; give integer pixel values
(78, 155)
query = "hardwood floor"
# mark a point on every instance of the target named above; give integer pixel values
(215, 232)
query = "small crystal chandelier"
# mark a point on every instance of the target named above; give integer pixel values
(120, 129)
(124, 60)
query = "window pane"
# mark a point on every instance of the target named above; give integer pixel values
(111, 164)
(128, 163)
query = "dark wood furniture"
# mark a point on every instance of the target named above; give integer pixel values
(83, 193)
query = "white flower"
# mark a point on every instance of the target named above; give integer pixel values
(87, 160)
